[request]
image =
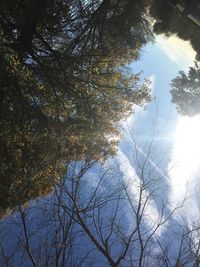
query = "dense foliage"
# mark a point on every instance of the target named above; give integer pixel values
(64, 86)
(186, 91)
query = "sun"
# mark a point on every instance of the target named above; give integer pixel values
(184, 167)
(185, 160)
(187, 142)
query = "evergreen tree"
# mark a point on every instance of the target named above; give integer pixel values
(186, 91)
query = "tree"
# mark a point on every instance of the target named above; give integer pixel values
(187, 250)
(64, 86)
(186, 91)
(169, 21)
(78, 27)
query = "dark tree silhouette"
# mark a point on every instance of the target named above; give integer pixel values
(186, 91)
(170, 21)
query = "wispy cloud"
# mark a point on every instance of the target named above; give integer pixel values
(151, 214)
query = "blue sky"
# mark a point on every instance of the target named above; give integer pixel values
(160, 115)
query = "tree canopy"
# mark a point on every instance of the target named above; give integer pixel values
(65, 86)
(186, 91)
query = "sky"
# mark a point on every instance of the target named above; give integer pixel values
(175, 138)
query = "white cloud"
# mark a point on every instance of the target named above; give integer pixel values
(179, 51)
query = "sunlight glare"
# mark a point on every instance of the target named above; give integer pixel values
(187, 142)
(185, 163)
